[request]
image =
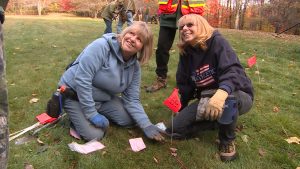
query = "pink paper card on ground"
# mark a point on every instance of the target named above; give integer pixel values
(137, 144)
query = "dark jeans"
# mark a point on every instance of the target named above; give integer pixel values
(185, 124)
(108, 28)
(164, 44)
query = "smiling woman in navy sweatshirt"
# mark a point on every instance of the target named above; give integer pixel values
(210, 72)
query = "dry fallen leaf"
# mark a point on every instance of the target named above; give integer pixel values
(33, 100)
(275, 109)
(245, 138)
(239, 128)
(173, 150)
(40, 141)
(174, 154)
(155, 159)
(28, 166)
(292, 140)
(261, 152)
(256, 72)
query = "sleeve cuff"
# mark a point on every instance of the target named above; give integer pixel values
(226, 88)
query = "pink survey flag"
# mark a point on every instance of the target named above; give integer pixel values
(173, 101)
(251, 61)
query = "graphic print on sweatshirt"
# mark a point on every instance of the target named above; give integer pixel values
(203, 76)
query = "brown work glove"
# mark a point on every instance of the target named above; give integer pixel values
(214, 107)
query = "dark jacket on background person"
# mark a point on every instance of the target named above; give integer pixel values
(129, 5)
(215, 68)
(111, 10)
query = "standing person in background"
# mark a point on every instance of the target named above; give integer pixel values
(105, 78)
(210, 71)
(3, 95)
(146, 14)
(170, 11)
(140, 14)
(126, 15)
(110, 12)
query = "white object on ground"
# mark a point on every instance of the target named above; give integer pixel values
(86, 148)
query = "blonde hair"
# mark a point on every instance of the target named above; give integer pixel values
(203, 31)
(146, 35)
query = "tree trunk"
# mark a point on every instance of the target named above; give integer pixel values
(237, 14)
(230, 14)
(262, 2)
(39, 7)
(220, 16)
(242, 22)
(95, 15)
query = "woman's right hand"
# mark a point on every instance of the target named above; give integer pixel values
(100, 121)
(153, 132)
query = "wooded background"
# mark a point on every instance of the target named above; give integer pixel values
(261, 15)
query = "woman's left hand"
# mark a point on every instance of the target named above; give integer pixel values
(214, 107)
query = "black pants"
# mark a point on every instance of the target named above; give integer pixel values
(164, 44)
(185, 124)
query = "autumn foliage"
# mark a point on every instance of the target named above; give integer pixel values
(66, 5)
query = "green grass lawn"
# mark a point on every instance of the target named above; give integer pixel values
(39, 48)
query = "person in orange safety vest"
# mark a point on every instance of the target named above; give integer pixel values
(169, 12)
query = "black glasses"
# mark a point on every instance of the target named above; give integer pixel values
(187, 25)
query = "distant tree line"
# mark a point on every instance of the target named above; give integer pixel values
(262, 15)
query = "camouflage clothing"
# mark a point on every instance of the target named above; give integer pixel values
(3, 105)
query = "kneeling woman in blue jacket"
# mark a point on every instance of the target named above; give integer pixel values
(106, 78)
(210, 72)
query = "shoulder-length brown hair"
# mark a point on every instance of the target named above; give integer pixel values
(203, 33)
(143, 31)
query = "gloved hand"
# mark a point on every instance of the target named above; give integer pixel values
(100, 121)
(2, 16)
(214, 107)
(153, 132)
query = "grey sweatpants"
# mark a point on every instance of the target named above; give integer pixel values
(113, 110)
(185, 124)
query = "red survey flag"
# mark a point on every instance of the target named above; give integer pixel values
(44, 118)
(173, 101)
(251, 61)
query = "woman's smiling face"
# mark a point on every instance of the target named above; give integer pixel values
(187, 31)
(131, 44)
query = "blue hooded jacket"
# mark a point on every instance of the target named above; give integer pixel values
(100, 72)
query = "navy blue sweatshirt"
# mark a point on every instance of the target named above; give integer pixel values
(216, 68)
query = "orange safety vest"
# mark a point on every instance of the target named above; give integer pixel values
(187, 6)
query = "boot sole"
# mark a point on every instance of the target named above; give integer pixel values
(228, 158)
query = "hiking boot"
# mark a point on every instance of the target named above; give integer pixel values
(157, 85)
(227, 151)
